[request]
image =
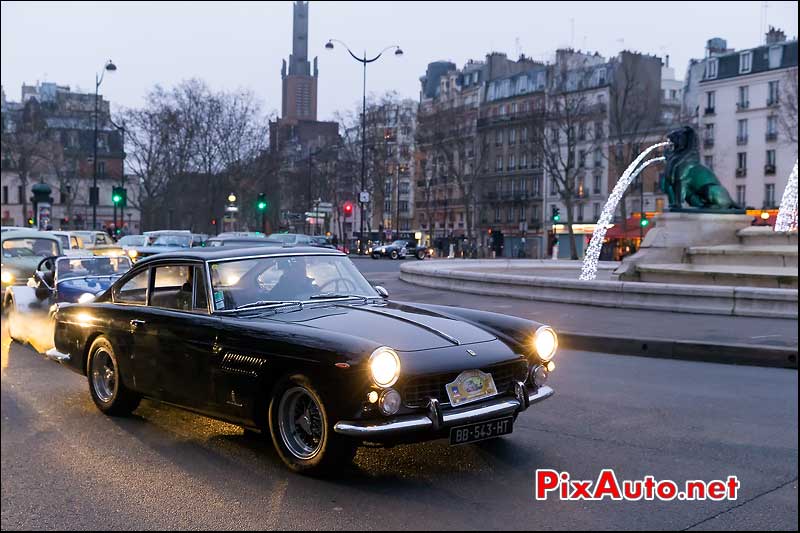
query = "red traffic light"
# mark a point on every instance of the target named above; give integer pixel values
(348, 209)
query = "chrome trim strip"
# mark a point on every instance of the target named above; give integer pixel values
(55, 355)
(464, 415)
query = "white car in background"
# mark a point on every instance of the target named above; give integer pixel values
(70, 244)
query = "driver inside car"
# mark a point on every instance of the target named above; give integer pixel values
(294, 283)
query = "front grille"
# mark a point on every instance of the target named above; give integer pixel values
(417, 391)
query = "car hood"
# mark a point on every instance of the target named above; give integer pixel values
(21, 266)
(402, 327)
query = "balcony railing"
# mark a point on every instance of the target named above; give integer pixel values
(772, 102)
(741, 139)
(771, 136)
(741, 172)
(708, 142)
(769, 169)
(740, 106)
(708, 111)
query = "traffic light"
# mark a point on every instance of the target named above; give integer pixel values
(556, 214)
(119, 197)
(261, 204)
(348, 209)
(644, 222)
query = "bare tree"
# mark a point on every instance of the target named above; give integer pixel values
(558, 139)
(788, 107)
(27, 146)
(454, 153)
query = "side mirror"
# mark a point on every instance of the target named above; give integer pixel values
(382, 291)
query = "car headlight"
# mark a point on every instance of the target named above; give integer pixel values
(132, 254)
(85, 297)
(7, 277)
(545, 341)
(384, 365)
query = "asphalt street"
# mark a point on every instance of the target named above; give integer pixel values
(67, 466)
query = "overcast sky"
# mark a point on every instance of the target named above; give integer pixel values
(240, 45)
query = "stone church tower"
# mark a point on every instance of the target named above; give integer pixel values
(299, 82)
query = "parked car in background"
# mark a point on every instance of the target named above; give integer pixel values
(240, 242)
(23, 250)
(132, 245)
(70, 244)
(322, 241)
(199, 239)
(93, 239)
(399, 249)
(292, 239)
(296, 344)
(4, 229)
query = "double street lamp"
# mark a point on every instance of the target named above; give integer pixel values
(364, 61)
(94, 197)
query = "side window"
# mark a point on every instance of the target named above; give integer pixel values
(74, 241)
(200, 298)
(172, 287)
(134, 291)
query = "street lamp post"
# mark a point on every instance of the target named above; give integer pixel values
(364, 61)
(95, 194)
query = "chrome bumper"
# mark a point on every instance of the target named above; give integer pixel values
(437, 419)
(56, 356)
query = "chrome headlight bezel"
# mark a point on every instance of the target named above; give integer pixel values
(540, 332)
(381, 353)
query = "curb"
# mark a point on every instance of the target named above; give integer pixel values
(735, 354)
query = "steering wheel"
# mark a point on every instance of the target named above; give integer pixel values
(348, 284)
(48, 262)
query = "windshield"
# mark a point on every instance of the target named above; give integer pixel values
(278, 279)
(78, 267)
(400, 243)
(64, 241)
(184, 241)
(29, 247)
(132, 240)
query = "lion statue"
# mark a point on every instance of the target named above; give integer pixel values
(686, 180)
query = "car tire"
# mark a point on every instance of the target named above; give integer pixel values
(420, 255)
(9, 311)
(306, 444)
(394, 254)
(376, 256)
(106, 386)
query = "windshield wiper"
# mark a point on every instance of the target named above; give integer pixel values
(268, 303)
(324, 295)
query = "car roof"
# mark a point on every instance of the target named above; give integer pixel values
(29, 234)
(216, 254)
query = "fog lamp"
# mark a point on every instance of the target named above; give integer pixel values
(389, 402)
(545, 341)
(538, 375)
(7, 277)
(372, 397)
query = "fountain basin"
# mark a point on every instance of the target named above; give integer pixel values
(481, 277)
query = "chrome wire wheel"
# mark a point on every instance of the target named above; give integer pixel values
(104, 376)
(300, 423)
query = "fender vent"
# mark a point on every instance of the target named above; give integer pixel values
(241, 364)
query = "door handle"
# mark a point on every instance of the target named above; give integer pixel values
(135, 323)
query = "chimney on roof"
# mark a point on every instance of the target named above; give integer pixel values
(716, 46)
(667, 60)
(774, 35)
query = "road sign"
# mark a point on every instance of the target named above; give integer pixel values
(363, 197)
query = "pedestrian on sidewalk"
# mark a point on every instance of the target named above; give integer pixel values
(555, 249)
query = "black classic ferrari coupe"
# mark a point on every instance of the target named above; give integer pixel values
(295, 343)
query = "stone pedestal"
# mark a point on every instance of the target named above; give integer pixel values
(673, 233)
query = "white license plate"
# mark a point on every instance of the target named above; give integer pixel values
(471, 386)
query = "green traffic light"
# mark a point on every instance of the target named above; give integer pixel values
(556, 218)
(262, 205)
(644, 222)
(116, 198)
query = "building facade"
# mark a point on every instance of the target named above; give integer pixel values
(48, 136)
(736, 99)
